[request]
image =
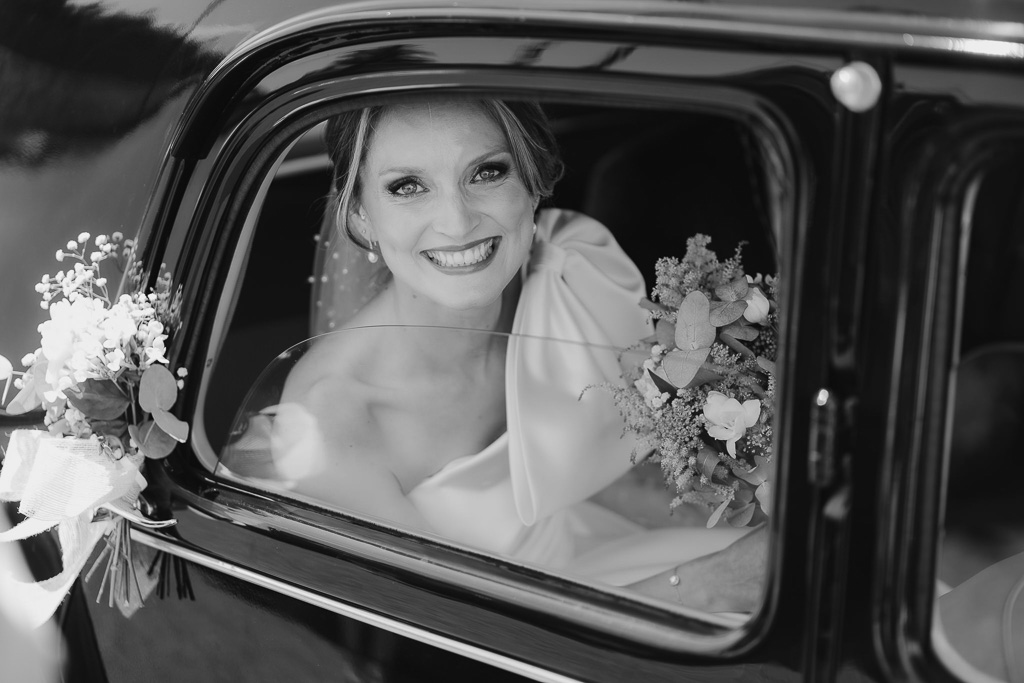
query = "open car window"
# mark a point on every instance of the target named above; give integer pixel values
(623, 432)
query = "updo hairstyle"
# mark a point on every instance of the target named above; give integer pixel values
(523, 123)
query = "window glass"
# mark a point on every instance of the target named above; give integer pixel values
(981, 561)
(451, 336)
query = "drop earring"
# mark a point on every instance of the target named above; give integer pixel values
(534, 228)
(371, 256)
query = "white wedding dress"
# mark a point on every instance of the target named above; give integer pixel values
(524, 497)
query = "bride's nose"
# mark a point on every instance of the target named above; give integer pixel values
(456, 216)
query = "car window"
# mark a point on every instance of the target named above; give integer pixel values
(615, 427)
(981, 559)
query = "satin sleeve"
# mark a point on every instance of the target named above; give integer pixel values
(580, 287)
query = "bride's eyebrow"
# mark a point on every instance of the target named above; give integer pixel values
(493, 151)
(410, 170)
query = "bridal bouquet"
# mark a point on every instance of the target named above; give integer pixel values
(100, 374)
(700, 393)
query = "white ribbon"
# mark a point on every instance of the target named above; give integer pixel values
(60, 483)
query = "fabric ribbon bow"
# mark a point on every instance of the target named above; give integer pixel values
(62, 482)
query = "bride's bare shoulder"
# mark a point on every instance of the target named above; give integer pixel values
(333, 359)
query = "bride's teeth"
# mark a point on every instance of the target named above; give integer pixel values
(467, 257)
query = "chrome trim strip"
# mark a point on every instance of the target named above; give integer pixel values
(397, 627)
(999, 39)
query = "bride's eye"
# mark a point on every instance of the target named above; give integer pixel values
(488, 173)
(405, 187)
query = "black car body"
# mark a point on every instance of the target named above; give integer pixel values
(160, 120)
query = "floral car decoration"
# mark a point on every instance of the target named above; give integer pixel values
(700, 393)
(100, 374)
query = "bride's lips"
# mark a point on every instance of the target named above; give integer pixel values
(463, 258)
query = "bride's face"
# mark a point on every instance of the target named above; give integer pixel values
(441, 196)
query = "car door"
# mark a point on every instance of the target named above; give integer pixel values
(283, 588)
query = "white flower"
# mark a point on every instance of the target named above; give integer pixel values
(728, 420)
(28, 359)
(96, 257)
(72, 245)
(40, 288)
(115, 360)
(68, 339)
(155, 353)
(101, 240)
(116, 237)
(59, 255)
(650, 391)
(182, 372)
(83, 237)
(757, 306)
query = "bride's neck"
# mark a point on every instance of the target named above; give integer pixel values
(448, 344)
(409, 308)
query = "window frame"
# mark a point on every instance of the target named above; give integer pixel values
(543, 595)
(935, 194)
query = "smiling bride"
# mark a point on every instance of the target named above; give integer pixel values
(448, 400)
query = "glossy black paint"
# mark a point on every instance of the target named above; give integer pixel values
(142, 130)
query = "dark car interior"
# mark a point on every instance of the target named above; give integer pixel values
(653, 177)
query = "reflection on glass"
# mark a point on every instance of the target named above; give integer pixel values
(980, 609)
(542, 474)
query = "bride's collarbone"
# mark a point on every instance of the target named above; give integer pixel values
(418, 435)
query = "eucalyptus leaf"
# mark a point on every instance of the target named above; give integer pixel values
(733, 291)
(717, 514)
(708, 460)
(766, 365)
(157, 388)
(99, 399)
(693, 323)
(742, 331)
(662, 384)
(742, 516)
(736, 346)
(764, 496)
(743, 497)
(726, 312)
(174, 428)
(754, 476)
(152, 441)
(681, 367)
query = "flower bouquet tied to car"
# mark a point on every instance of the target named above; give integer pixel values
(100, 374)
(700, 392)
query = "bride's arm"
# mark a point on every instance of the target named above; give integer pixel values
(730, 580)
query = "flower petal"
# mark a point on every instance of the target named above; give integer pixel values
(751, 411)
